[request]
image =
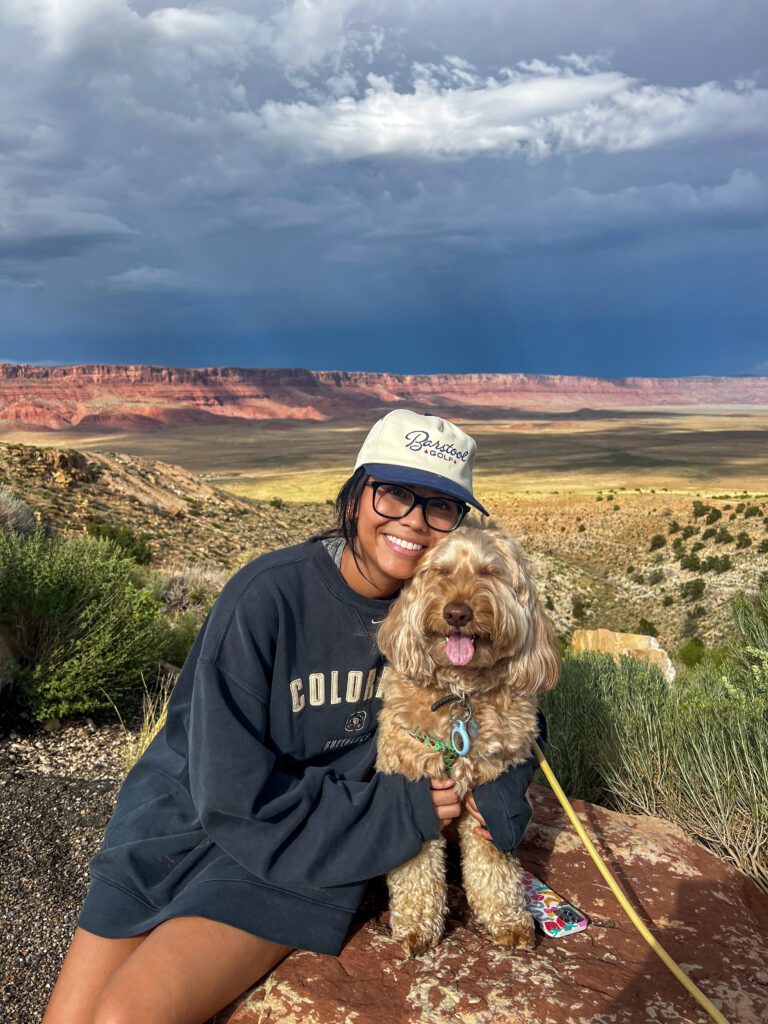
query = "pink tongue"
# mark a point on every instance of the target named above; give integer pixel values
(459, 650)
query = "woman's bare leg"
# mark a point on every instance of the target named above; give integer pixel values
(88, 966)
(185, 971)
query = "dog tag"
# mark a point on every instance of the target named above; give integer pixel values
(461, 746)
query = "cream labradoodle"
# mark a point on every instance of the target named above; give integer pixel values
(468, 650)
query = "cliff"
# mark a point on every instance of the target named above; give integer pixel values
(110, 397)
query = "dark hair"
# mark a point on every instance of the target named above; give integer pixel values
(347, 504)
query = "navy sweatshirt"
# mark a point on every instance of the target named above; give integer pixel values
(257, 804)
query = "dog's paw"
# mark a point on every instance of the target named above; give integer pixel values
(415, 943)
(518, 934)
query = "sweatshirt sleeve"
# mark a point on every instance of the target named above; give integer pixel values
(320, 830)
(503, 802)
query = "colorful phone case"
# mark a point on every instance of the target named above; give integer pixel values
(551, 913)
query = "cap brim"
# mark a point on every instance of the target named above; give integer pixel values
(421, 478)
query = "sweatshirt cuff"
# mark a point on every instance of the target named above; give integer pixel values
(423, 809)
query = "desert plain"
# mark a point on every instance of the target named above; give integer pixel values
(586, 493)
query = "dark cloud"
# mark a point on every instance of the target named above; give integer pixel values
(305, 178)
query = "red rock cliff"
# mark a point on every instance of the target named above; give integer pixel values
(112, 397)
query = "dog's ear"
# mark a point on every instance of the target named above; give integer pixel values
(398, 636)
(536, 667)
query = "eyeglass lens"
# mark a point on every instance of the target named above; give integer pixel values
(395, 502)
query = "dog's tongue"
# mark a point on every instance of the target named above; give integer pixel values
(459, 649)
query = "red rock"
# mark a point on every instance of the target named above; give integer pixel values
(107, 397)
(708, 916)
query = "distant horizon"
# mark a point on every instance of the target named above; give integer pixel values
(45, 364)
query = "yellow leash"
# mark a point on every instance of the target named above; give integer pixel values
(658, 949)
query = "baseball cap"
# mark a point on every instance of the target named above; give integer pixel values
(406, 447)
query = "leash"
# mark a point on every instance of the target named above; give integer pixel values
(655, 945)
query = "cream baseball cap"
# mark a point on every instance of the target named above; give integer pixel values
(405, 447)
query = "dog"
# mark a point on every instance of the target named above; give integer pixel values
(468, 649)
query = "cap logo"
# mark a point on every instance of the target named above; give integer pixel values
(418, 439)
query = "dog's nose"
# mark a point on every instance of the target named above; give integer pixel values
(457, 615)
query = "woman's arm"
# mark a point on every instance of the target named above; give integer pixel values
(503, 804)
(319, 830)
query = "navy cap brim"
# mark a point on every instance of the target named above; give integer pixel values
(421, 478)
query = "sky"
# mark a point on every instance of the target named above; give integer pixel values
(407, 186)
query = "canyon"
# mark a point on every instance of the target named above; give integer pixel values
(106, 397)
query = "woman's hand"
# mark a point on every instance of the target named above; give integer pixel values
(444, 800)
(471, 806)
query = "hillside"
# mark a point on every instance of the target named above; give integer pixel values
(142, 398)
(186, 520)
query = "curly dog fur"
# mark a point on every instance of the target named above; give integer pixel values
(477, 585)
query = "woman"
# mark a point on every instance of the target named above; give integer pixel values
(254, 820)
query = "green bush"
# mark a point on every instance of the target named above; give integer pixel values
(743, 540)
(674, 527)
(691, 653)
(647, 628)
(658, 541)
(709, 532)
(15, 516)
(714, 515)
(132, 546)
(84, 631)
(751, 510)
(692, 590)
(694, 752)
(723, 536)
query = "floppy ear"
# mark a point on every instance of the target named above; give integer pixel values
(399, 634)
(536, 667)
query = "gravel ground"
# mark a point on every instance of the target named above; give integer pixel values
(57, 790)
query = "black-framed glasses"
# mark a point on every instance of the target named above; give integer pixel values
(393, 501)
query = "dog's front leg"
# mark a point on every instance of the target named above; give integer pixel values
(493, 882)
(417, 899)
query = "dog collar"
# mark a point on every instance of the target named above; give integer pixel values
(450, 754)
(459, 712)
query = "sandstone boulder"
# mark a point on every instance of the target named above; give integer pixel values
(634, 644)
(708, 916)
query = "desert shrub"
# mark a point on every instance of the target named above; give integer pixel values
(582, 528)
(689, 531)
(578, 609)
(723, 536)
(83, 630)
(668, 600)
(751, 510)
(762, 547)
(638, 577)
(713, 516)
(647, 628)
(15, 516)
(630, 570)
(616, 508)
(132, 545)
(599, 497)
(192, 587)
(691, 562)
(699, 509)
(692, 652)
(696, 546)
(656, 577)
(716, 563)
(740, 508)
(658, 540)
(695, 753)
(743, 540)
(277, 503)
(678, 547)
(674, 527)
(692, 590)
(549, 604)
(709, 532)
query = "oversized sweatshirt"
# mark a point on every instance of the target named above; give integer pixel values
(257, 804)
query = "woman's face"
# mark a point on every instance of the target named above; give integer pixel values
(388, 550)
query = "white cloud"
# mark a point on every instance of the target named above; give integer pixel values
(145, 279)
(536, 109)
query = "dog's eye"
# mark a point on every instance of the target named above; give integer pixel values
(487, 570)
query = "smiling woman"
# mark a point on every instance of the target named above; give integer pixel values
(254, 820)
